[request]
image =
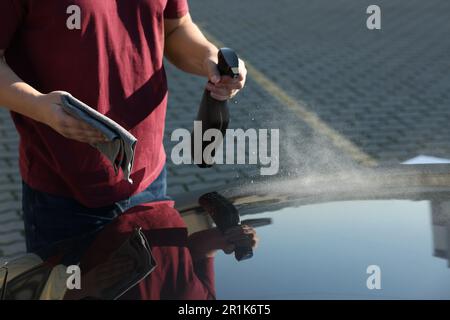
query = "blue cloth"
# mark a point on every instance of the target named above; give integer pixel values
(49, 219)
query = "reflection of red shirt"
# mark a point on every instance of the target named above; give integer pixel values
(114, 64)
(176, 276)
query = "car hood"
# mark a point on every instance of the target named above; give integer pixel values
(361, 234)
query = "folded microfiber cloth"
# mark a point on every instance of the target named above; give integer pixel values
(120, 145)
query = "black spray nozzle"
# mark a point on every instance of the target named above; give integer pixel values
(225, 216)
(228, 63)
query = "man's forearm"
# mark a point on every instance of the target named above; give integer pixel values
(18, 96)
(188, 49)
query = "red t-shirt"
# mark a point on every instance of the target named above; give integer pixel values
(114, 63)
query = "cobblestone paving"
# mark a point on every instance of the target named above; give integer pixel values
(386, 91)
(11, 226)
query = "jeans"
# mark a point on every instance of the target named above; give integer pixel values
(49, 219)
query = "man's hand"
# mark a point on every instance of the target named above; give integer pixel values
(224, 88)
(204, 244)
(188, 49)
(65, 124)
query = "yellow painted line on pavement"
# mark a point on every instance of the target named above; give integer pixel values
(306, 115)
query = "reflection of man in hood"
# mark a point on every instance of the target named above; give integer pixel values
(145, 253)
(184, 265)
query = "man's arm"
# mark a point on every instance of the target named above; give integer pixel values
(204, 244)
(184, 39)
(18, 96)
(188, 49)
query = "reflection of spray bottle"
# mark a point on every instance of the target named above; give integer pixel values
(225, 216)
(214, 113)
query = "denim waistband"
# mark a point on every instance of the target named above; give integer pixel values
(155, 192)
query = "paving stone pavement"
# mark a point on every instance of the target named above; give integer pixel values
(387, 91)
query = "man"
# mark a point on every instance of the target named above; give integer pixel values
(108, 54)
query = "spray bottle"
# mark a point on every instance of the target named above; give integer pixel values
(214, 113)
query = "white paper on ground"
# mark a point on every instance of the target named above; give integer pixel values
(423, 159)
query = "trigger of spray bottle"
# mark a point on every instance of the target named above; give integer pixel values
(212, 113)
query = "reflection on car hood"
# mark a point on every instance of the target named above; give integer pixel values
(327, 233)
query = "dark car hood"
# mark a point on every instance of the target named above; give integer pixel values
(328, 231)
